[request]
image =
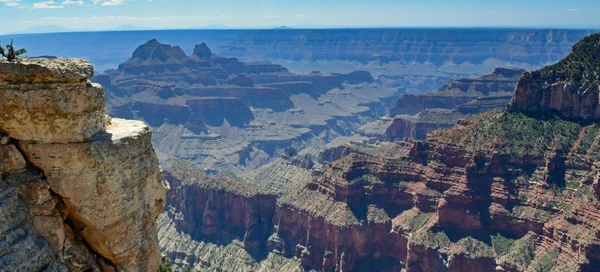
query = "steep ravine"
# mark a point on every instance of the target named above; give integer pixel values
(80, 191)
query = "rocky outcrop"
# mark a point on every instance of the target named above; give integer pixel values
(42, 104)
(569, 88)
(87, 188)
(454, 100)
(417, 127)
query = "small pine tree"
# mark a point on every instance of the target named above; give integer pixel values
(10, 53)
(165, 266)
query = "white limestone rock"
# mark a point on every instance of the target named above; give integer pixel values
(112, 187)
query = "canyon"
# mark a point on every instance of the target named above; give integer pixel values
(80, 191)
(416, 59)
(513, 189)
(415, 115)
(225, 115)
(278, 167)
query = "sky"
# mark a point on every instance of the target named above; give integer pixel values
(30, 15)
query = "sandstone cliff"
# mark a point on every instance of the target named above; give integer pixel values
(500, 191)
(569, 88)
(80, 191)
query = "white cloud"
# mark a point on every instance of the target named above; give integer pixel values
(11, 3)
(46, 5)
(71, 2)
(108, 2)
(299, 15)
(574, 10)
(109, 22)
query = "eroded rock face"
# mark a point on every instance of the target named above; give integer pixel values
(50, 100)
(415, 115)
(535, 95)
(89, 188)
(119, 208)
(569, 88)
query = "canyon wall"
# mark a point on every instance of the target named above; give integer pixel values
(415, 115)
(511, 190)
(80, 191)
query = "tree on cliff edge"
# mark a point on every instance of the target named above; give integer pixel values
(9, 52)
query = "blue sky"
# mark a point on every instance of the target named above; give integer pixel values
(19, 15)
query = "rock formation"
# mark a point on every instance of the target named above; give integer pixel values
(415, 115)
(80, 191)
(513, 190)
(569, 88)
(226, 115)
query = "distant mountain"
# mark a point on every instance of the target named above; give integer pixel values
(283, 27)
(131, 27)
(216, 27)
(44, 29)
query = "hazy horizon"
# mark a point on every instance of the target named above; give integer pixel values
(49, 29)
(100, 15)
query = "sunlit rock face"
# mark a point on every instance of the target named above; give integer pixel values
(87, 188)
(50, 100)
(569, 88)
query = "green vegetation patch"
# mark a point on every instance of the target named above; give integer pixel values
(520, 254)
(531, 212)
(419, 221)
(501, 244)
(545, 262)
(513, 134)
(476, 248)
(432, 239)
(581, 67)
(518, 135)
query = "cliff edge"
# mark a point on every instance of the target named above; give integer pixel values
(569, 88)
(80, 191)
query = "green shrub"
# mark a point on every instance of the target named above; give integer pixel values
(545, 263)
(501, 244)
(165, 266)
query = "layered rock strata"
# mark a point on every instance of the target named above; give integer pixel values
(82, 190)
(501, 191)
(569, 88)
(415, 115)
(226, 115)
